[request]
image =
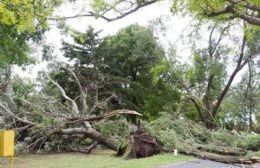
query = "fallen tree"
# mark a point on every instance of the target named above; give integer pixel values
(222, 150)
(221, 158)
(76, 122)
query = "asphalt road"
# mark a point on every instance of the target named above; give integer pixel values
(206, 164)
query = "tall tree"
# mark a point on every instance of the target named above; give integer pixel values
(206, 82)
(121, 64)
(210, 104)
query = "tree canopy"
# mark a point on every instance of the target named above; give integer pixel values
(223, 10)
(20, 21)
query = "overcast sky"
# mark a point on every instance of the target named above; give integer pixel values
(176, 27)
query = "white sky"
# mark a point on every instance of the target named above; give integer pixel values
(177, 26)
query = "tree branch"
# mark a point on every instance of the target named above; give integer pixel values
(104, 116)
(74, 104)
(83, 96)
(231, 78)
(230, 9)
(109, 19)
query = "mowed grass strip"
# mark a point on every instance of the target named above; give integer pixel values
(99, 159)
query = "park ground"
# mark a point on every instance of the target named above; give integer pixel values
(99, 159)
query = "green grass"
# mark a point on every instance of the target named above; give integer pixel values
(103, 159)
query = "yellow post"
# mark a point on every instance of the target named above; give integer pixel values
(11, 161)
(7, 145)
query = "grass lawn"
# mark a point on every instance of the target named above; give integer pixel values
(99, 159)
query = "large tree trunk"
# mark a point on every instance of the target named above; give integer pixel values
(222, 150)
(90, 133)
(221, 158)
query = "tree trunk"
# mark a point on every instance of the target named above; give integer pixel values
(90, 133)
(221, 158)
(210, 123)
(222, 150)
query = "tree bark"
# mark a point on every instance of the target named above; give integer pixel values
(220, 158)
(90, 133)
(222, 150)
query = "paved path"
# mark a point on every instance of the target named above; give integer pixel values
(205, 164)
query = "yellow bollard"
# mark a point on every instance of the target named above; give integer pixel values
(11, 161)
(7, 145)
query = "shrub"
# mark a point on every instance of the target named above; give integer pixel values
(251, 142)
(225, 138)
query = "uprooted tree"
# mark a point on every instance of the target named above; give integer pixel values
(85, 92)
(75, 122)
(49, 120)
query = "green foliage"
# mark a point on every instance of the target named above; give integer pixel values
(23, 87)
(40, 105)
(177, 133)
(124, 63)
(225, 138)
(26, 15)
(98, 5)
(214, 9)
(13, 46)
(21, 20)
(115, 129)
(251, 142)
(184, 134)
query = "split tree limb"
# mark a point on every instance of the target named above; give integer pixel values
(74, 104)
(83, 96)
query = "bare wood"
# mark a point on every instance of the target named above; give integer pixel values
(83, 96)
(74, 104)
(90, 133)
(104, 116)
(222, 150)
(220, 158)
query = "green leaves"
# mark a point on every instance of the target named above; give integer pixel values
(21, 20)
(98, 5)
(220, 10)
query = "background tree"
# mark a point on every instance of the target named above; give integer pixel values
(204, 82)
(122, 64)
